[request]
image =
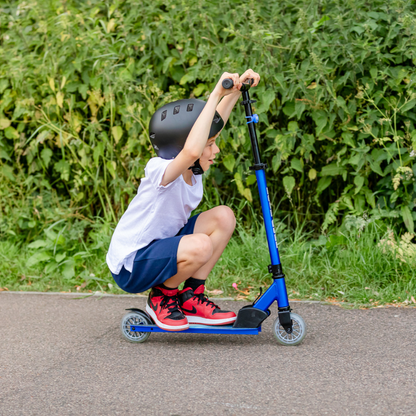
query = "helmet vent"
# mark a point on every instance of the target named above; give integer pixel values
(164, 114)
(190, 107)
(176, 109)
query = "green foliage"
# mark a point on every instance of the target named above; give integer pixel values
(79, 82)
(351, 265)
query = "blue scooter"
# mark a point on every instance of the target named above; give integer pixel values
(288, 328)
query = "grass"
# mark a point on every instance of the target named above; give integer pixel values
(345, 267)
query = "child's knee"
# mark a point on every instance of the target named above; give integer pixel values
(202, 248)
(226, 218)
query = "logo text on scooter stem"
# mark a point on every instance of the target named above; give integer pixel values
(271, 216)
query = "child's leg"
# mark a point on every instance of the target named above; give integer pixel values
(199, 252)
(218, 224)
(194, 250)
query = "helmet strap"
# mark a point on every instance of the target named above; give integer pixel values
(197, 169)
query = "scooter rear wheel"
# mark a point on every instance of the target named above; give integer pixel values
(298, 332)
(135, 318)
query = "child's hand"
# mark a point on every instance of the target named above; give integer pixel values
(250, 74)
(221, 91)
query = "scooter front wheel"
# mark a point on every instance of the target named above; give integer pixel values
(298, 331)
(135, 318)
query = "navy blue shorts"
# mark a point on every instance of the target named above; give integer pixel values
(155, 263)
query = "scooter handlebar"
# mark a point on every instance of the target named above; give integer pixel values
(228, 83)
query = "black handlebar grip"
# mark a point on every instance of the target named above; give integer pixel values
(227, 83)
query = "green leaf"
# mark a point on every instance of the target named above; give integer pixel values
(11, 133)
(4, 123)
(69, 271)
(369, 196)
(4, 155)
(111, 166)
(188, 78)
(199, 90)
(37, 258)
(276, 161)
(265, 101)
(312, 174)
(4, 83)
(293, 126)
(320, 118)
(51, 267)
(117, 132)
(98, 152)
(83, 90)
(7, 171)
(375, 166)
(408, 106)
(250, 180)
(289, 109)
(63, 168)
(323, 183)
(359, 182)
(167, 62)
(46, 155)
(408, 219)
(289, 183)
(247, 194)
(59, 257)
(229, 162)
(299, 108)
(37, 244)
(297, 164)
(341, 103)
(336, 240)
(332, 170)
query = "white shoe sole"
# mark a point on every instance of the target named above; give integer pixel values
(206, 321)
(150, 311)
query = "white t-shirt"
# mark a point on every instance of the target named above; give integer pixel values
(156, 212)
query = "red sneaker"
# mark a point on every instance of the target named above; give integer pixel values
(199, 310)
(162, 305)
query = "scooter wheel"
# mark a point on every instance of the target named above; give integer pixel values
(298, 332)
(135, 318)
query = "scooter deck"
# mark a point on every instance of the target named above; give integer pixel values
(200, 329)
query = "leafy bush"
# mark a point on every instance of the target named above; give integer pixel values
(79, 82)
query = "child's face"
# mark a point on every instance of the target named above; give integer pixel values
(209, 153)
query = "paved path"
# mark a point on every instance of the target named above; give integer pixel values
(66, 356)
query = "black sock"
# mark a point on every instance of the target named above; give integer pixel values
(167, 288)
(193, 283)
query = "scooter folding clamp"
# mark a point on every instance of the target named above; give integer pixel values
(253, 119)
(258, 166)
(276, 270)
(244, 102)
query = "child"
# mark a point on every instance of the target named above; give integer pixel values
(156, 245)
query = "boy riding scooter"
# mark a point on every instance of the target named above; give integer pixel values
(156, 244)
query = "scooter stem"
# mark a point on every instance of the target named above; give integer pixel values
(275, 268)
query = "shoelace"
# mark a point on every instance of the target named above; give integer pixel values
(203, 299)
(172, 303)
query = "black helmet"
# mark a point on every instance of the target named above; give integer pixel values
(171, 124)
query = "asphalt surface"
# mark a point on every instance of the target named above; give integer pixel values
(66, 356)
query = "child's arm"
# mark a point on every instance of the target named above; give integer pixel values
(227, 104)
(198, 136)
